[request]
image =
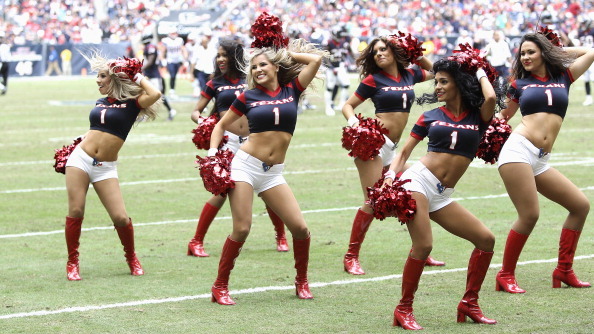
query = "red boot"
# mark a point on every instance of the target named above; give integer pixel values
(403, 314)
(564, 271)
(301, 255)
(505, 280)
(126, 234)
(360, 227)
(72, 232)
(220, 291)
(196, 246)
(431, 262)
(279, 228)
(477, 269)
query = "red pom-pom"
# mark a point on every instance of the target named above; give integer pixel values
(366, 140)
(203, 132)
(62, 154)
(413, 48)
(471, 61)
(493, 140)
(392, 201)
(215, 172)
(268, 32)
(550, 35)
(129, 66)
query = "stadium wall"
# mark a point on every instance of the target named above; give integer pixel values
(32, 59)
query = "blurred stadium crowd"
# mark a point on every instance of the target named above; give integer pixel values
(111, 21)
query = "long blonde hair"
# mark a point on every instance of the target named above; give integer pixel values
(121, 87)
(289, 69)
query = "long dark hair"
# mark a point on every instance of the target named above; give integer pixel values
(556, 60)
(235, 60)
(366, 60)
(468, 85)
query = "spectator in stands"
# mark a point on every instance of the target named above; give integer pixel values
(53, 62)
(173, 53)
(66, 56)
(202, 63)
(499, 54)
(4, 57)
(150, 68)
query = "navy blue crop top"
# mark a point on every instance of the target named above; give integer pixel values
(224, 91)
(450, 134)
(389, 94)
(113, 116)
(270, 111)
(535, 94)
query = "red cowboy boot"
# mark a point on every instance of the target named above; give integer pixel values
(360, 226)
(72, 232)
(403, 314)
(279, 228)
(505, 280)
(431, 262)
(126, 234)
(564, 271)
(477, 269)
(196, 245)
(220, 288)
(301, 255)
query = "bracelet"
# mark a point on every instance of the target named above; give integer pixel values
(480, 73)
(390, 174)
(352, 120)
(138, 78)
(212, 152)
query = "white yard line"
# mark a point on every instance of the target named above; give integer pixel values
(476, 164)
(251, 291)
(179, 221)
(195, 179)
(136, 224)
(145, 156)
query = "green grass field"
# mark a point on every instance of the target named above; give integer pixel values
(164, 196)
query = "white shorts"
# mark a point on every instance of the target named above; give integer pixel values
(233, 142)
(337, 76)
(249, 169)
(519, 149)
(424, 182)
(388, 151)
(97, 170)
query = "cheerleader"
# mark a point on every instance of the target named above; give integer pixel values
(228, 83)
(278, 74)
(389, 83)
(454, 131)
(541, 76)
(129, 97)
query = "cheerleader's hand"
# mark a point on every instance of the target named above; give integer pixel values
(138, 78)
(481, 73)
(353, 121)
(212, 152)
(389, 177)
(501, 117)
